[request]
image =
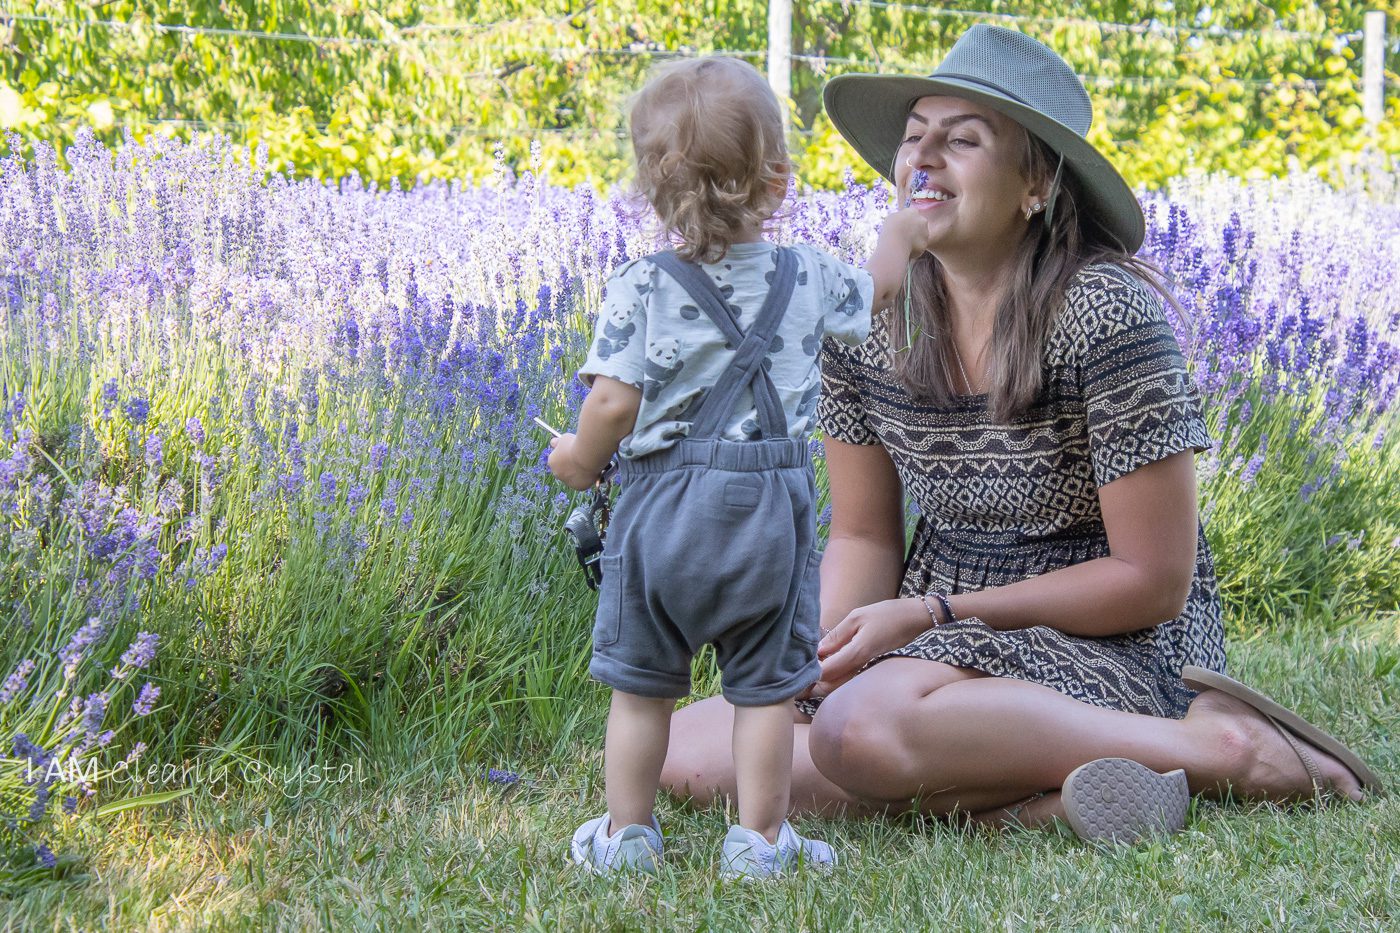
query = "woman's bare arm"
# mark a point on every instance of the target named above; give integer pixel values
(1151, 518)
(864, 558)
(1149, 514)
(864, 564)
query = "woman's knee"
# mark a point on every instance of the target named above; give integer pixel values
(854, 739)
(859, 738)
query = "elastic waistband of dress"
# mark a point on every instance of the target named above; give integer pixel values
(734, 456)
(1003, 543)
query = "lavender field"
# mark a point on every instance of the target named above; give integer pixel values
(270, 491)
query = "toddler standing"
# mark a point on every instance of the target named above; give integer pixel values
(705, 382)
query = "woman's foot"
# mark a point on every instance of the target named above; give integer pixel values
(1256, 760)
(1032, 813)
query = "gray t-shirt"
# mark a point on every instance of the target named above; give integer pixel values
(651, 335)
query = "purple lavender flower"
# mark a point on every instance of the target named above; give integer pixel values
(195, 430)
(40, 806)
(500, 776)
(44, 855)
(17, 681)
(377, 453)
(109, 398)
(142, 650)
(22, 747)
(94, 711)
(356, 496)
(136, 410)
(217, 554)
(76, 649)
(155, 455)
(145, 703)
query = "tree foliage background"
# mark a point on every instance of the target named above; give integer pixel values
(408, 89)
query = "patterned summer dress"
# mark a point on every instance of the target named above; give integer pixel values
(1000, 504)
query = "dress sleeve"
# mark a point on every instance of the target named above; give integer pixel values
(1140, 403)
(619, 337)
(841, 409)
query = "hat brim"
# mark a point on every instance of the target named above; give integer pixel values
(870, 112)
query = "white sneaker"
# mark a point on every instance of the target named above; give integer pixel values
(748, 855)
(635, 847)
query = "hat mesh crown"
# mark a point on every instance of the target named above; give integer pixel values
(1023, 68)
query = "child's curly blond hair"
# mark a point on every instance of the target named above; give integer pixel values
(711, 157)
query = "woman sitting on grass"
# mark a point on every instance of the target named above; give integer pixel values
(1026, 660)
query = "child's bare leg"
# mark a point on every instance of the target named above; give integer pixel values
(763, 766)
(638, 731)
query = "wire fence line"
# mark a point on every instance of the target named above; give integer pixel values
(818, 62)
(1153, 27)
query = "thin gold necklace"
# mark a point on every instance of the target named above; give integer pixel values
(971, 389)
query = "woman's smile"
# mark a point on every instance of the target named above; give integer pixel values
(931, 197)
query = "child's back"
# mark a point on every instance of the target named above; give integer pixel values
(652, 335)
(705, 380)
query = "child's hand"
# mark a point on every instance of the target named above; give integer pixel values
(564, 467)
(903, 238)
(910, 228)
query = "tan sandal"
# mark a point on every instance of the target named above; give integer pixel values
(1299, 733)
(1119, 800)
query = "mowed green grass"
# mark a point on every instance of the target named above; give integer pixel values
(420, 839)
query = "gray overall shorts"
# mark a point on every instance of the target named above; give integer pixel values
(714, 541)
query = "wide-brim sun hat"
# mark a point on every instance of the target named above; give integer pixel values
(1014, 75)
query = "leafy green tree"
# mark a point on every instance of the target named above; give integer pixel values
(408, 89)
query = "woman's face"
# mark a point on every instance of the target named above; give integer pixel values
(973, 157)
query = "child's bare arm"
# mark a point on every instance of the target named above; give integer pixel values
(608, 415)
(903, 238)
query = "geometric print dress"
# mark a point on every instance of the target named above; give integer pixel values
(999, 504)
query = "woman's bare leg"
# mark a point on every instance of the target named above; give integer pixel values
(915, 730)
(700, 763)
(1032, 813)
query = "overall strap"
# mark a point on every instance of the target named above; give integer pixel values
(746, 368)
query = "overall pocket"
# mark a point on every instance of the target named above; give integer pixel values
(608, 623)
(806, 618)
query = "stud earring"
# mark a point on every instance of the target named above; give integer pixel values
(1034, 209)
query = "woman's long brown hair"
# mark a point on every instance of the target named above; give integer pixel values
(1046, 263)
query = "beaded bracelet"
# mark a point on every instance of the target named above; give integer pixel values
(947, 606)
(932, 616)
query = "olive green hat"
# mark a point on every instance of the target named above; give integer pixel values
(1014, 75)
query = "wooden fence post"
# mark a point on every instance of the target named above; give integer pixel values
(779, 49)
(1373, 68)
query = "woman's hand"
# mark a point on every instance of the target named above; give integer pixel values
(865, 633)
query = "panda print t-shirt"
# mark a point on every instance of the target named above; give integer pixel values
(650, 335)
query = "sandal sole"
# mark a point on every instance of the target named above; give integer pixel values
(1118, 800)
